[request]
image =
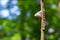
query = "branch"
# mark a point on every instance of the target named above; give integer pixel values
(43, 20)
(59, 9)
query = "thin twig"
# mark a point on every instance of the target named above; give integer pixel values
(59, 10)
(43, 21)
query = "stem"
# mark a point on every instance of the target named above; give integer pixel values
(43, 21)
(59, 9)
(42, 35)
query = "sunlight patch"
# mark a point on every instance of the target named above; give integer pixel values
(5, 13)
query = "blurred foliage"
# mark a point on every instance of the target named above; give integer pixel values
(25, 26)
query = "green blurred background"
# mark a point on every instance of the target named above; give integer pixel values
(17, 21)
